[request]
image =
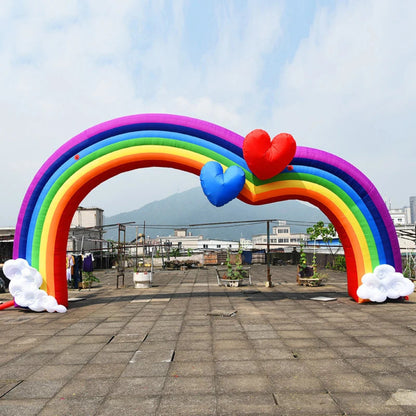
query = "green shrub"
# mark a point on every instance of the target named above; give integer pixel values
(340, 264)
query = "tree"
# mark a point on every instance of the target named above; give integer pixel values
(327, 233)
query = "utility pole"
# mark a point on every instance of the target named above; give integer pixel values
(144, 239)
(269, 276)
(137, 246)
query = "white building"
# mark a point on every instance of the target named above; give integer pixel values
(280, 237)
(400, 216)
(86, 231)
(219, 245)
(181, 239)
(88, 217)
(184, 240)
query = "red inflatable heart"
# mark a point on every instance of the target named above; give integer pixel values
(264, 158)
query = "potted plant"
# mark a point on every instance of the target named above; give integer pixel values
(308, 275)
(142, 278)
(303, 269)
(233, 276)
(87, 279)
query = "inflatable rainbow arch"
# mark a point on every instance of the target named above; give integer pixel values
(342, 192)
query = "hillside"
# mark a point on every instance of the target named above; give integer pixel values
(192, 207)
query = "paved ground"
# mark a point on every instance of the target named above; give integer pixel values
(159, 351)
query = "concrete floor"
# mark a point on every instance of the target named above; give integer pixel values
(189, 347)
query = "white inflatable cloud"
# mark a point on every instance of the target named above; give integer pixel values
(25, 282)
(384, 283)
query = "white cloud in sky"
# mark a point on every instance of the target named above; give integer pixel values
(67, 66)
(350, 90)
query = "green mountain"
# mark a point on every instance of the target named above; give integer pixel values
(192, 207)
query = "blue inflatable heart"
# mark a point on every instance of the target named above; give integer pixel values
(220, 188)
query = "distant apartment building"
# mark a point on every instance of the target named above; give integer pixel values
(280, 237)
(184, 240)
(219, 245)
(400, 216)
(86, 231)
(405, 215)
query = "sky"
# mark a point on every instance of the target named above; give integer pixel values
(338, 75)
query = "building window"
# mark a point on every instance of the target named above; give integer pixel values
(204, 245)
(218, 245)
(283, 231)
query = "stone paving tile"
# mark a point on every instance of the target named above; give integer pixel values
(187, 405)
(342, 341)
(78, 329)
(100, 371)
(230, 367)
(297, 383)
(246, 354)
(93, 339)
(246, 404)
(27, 407)
(349, 382)
(51, 347)
(55, 372)
(192, 368)
(137, 386)
(242, 383)
(63, 406)
(68, 357)
(304, 343)
(295, 334)
(378, 341)
(297, 404)
(112, 357)
(144, 369)
(367, 404)
(81, 388)
(314, 353)
(193, 345)
(227, 344)
(189, 385)
(193, 355)
(327, 366)
(356, 352)
(393, 382)
(274, 353)
(286, 367)
(34, 389)
(404, 339)
(198, 336)
(7, 357)
(408, 362)
(122, 347)
(17, 372)
(163, 336)
(374, 365)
